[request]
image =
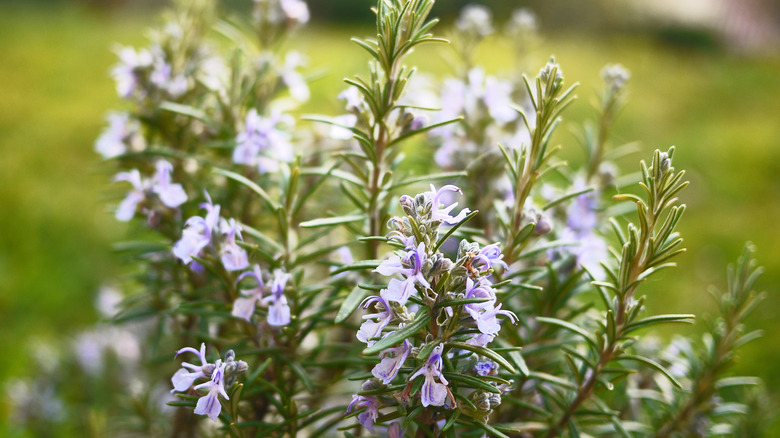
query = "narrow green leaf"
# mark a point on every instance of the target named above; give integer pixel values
(483, 351)
(659, 319)
(570, 327)
(357, 266)
(330, 221)
(421, 320)
(250, 184)
(517, 358)
(351, 303)
(652, 364)
(453, 229)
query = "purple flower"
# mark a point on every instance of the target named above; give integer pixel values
(480, 289)
(209, 404)
(263, 143)
(172, 195)
(371, 413)
(234, 258)
(121, 132)
(415, 256)
(484, 368)
(353, 98)
(395, 431)
(392, 359)
(186, 376)
(290, 76)
(126, 72)
(480, 339)
(295, 11)
(433, 392)
(498, 100)
(278, 309)
(374, 323)
(137, 195)
(197, 232)
(244, 307)
(487, 321)
(490, 256)
(443, 214)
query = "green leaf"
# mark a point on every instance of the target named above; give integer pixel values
(652, 364)
(187, 111)
(489, 429)
(459, 302)
(659, 319)
(472, 382)
(453, 229)
(517, 358)
(570, 327)
(330, 221)
(421, 320)
(424, 129)
(250, 184)
(357, 266)
(351, 303)
(426, 178)
(298, 370)
(483, 351)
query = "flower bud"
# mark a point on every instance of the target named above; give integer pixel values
(407, 204)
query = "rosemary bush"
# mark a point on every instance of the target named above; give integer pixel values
(290, 276)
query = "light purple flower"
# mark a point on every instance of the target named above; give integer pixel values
(339, 130)
(498, 100)
(391, 361)
(433, 392)
(233, 257)
(353, 98)
(126, 72)
(414, 256)
(479, 289)
(489, 257)
(371, 413)
(295, 11)
(480, 339)
(172, 195)
(475, 19)
(162, 77)
(487, 320)
(294, 79)
(121, 130)
(186, 376)
(278, 309)
(209, 404)
(395, 431)
(129, 205)
(346, 259)
(244, 306)
(263, 142)
(197, 233)
(484, 368)
(371, 329)
(443, 213)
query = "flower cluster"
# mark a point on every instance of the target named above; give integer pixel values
(428, 283)
(201, 233)
(219, 376)
(278, 309)
(264, 142)
(160, 185)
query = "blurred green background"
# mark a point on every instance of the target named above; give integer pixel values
(718, 105)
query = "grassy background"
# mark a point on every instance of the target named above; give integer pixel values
(720, 110)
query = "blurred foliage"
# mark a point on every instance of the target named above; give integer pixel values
(721, 111)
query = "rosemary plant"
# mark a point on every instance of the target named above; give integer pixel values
(245, 312)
